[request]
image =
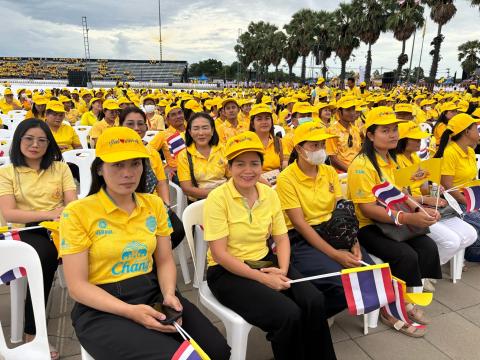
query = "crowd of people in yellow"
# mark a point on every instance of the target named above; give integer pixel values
(273, 165)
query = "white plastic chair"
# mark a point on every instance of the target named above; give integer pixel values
(82, 132)
(426, 127)
(180, 201)
(237, 328)
(4, 160)
(370, 320)
(17, 113)
(279, 129)
(14, 254)
(149, 135)
(5, 144)
(456, 266)
(6, 133)
(14, 123)
(85, 355)
(83, 158)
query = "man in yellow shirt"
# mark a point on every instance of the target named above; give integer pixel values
(352, 89)
(71, 114)
(155, 121)
(110, 110)
(232, 126)
(9, 103)
(343, 149)
(65, 135)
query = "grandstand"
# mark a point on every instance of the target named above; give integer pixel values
(101, 69)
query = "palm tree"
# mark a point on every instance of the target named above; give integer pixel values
(469, 55)
(301, 35)
(403, 20)
(290, 55)
(275, 49)
(322, 48)
(370, 22)
(441, 12)
(344, 37)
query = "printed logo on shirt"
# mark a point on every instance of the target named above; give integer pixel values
(64, 245)
(102, 225)
(134, 259)
(360, 171)
(151, 223)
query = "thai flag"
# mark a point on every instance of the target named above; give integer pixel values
(367, 288)
(388, 194)
(176, 143)
(12, 235)
(423, 154)
(186, 352)
(13, 274)
(288, 120)
(397, 308)
(472, 196)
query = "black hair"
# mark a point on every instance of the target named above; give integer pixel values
(442, 119)
(129, 110)
(36, 113)
(260, 155)
(369, 151)
(98, 182)
(294, 154)
(471, 108)
(188, 138)
(276, 140)
(351, 79)
(52, 153)
(445, 139)
(401, 146)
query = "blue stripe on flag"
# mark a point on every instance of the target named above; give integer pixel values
(369, 291)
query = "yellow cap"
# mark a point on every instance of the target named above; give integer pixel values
(463, 106)
(472, 87)
(363, 84)
(448, 106)
(266, 99)
(410, 130)
(39, 99)
(227, 100)
(320, 80)
(7, 91)
(170, 107)
(382, 115)
(64, 99)
(259, 109)
(55, 105)
(303, 108)
(404, 108)
(476, 113)
(322, 105)
(242, 143)
(93, 100)
(460, 122)
(110, 104)
(310, 131)
(149, 97)
(123, 100)
(120, 143)
(346, 102)
(194, 106)
(426, 102)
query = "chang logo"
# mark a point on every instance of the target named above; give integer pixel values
(102, 228)
(134, 259)
(151, 223)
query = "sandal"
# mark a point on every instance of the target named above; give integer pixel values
(54, 354)
(416, 331)
(416, 314)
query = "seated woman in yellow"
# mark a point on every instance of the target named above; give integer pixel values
(449, 110)
(411, 260)
(202, 167)
(324, 113)
(33, 188)
(38, 108)
(308, 191)
(459, 167)
(71, 114)
(110, 118)
(245, 275)
(110, 240)
(65, 135)
(450, 234)
(90, 118)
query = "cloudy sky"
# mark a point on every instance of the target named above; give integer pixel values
(194, 30)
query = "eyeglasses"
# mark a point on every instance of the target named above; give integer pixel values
(350, 140)
(29, 140)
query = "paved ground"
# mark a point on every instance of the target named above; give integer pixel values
(453, 334)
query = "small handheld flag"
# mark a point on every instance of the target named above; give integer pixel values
(176, 143)
(13, 274)
(472, 197)
(388, 194)
(367, 288)
(189, 350)
(10, 235)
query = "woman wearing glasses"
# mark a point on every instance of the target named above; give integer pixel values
(35, 187)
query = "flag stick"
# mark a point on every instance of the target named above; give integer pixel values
(438, 197)
(315, 277)
(4, 229)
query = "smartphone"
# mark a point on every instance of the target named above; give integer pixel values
(259, 264)
(170, 314)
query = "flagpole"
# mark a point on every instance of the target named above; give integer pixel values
(4, 229)
(315, 277)
(411, 57)
(421, 51)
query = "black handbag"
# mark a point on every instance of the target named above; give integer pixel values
(178, 231)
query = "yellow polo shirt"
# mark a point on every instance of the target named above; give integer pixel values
(226, 130)
(66, 136)
(42, 191)
(72, 116)
(315, 196)
(362, 177)
(208, 172)
(226, 214)
(339, 146)
(88, 119)
(438, 131)
(156, 163)
(156, 122)
(5, 108)
(287, 145)
(462, 166)
(159, 142)
(404, 162)
(271, 159)
(119, 245)
(99, 127)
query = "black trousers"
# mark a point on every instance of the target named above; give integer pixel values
(294, 320)
(107, 336)
(48, 255)
(411, 260)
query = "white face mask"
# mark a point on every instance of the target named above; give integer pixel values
(316, 157)
(428, 108)
(149, 108)
(304, 120)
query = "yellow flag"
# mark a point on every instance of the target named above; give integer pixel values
(415, 175)
(199, 350)
(54, 232)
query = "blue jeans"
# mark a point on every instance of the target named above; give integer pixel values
(472, 253)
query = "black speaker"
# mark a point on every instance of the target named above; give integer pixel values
(79, 78)
(388, 77)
